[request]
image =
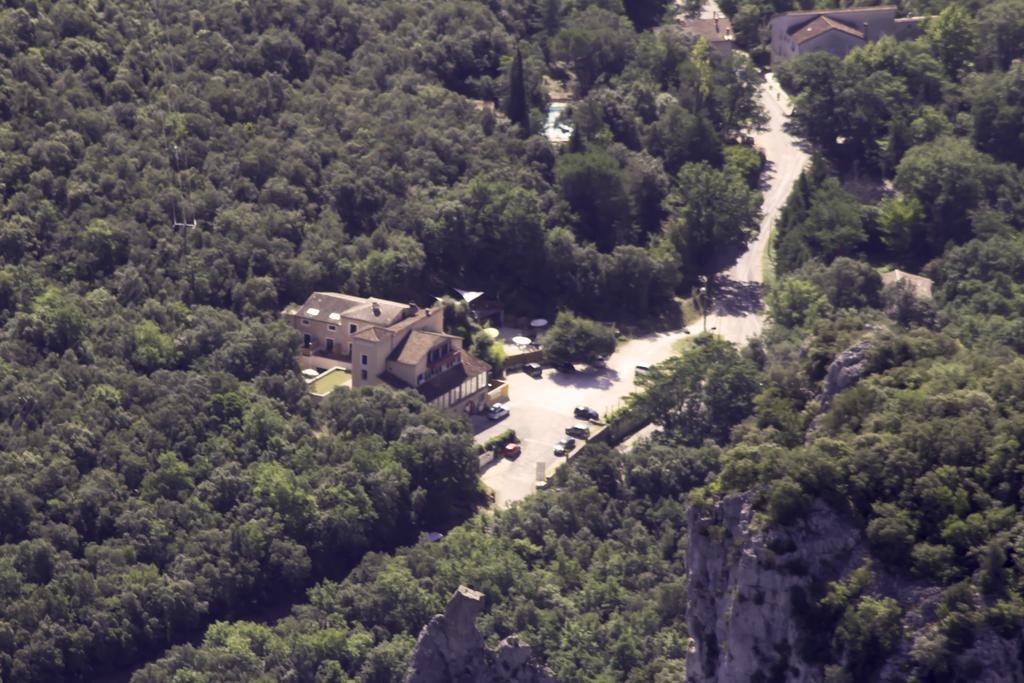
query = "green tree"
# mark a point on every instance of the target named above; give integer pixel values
(518, 108)
(711, 213)
(700, 394)
(594, 185)
(952, 39)
(572, 339)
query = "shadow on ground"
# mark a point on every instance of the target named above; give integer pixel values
(729, 297)
(585, 379)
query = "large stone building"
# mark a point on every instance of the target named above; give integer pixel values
(836, 30)
(385, 342)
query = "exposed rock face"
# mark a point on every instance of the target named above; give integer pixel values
(742, 579)
(450, 649)
(845, 371)
(746, 581)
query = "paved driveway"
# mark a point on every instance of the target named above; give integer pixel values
(542, 408)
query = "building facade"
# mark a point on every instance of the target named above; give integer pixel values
(836, 31)
(386, 342)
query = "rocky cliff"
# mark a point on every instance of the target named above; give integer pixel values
(751, 588)
(450, 649)
(742, 580)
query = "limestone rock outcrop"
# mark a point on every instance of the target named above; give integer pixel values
(846, 370)
(450, 649)
(748, 580)
(742, 578)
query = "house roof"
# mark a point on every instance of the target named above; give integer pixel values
(329, 307)
(712, 30)
(821, 25)
(921, 285)
(848, 10)
(368, 334)
(416, 345)
(470, 366)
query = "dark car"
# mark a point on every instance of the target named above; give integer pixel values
(496, 412)
(533, 369)
(585, 413)
(565, 367)
(565, 446)
(511, 451)
(580, 431)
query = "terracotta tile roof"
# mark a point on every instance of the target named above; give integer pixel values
(470, 366)
(921, 285)
(368, 334)
(848, 10)
(321, 306)
(416, 345)
(378, 311)
(329, 307)
(821, 25)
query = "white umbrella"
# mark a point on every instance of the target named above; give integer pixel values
(539, 322)
(467, 296)
(492, 332)
(522, 341)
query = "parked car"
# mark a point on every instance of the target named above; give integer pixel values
(512, 451)
(642, 368)
(533, 369)
(565, 367)
(585, 413)
(496, 412)
(580, 431)
(565, 446)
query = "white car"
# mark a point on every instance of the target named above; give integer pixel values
(496, 412)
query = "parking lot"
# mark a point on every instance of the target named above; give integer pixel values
(541, 408)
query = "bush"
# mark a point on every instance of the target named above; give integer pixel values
(507, 436)
(578, 340)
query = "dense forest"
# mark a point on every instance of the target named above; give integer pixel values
(173, 174)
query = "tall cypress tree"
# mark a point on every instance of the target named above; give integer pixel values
(518, 108)
(552, 16)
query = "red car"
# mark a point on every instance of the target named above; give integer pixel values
(511, 451)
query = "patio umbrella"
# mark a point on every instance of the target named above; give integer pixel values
(522, 341)
(539, 322)
(492, 332)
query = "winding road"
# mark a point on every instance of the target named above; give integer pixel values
(542, 408)
(737, 311)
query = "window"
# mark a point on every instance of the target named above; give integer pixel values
(365, 361)
(305, 322)
(363, 374)
(419, 379)
(352, 328)
(331, 327)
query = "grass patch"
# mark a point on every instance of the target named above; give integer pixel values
(330, 380)
(768, 260)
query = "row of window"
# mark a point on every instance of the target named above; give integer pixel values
(352, 328)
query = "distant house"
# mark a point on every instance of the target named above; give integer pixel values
(918, 284)
(717, 31)
(386, 342)
(836, 31)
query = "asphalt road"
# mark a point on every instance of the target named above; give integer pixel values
(542, 408)
(737, 309)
